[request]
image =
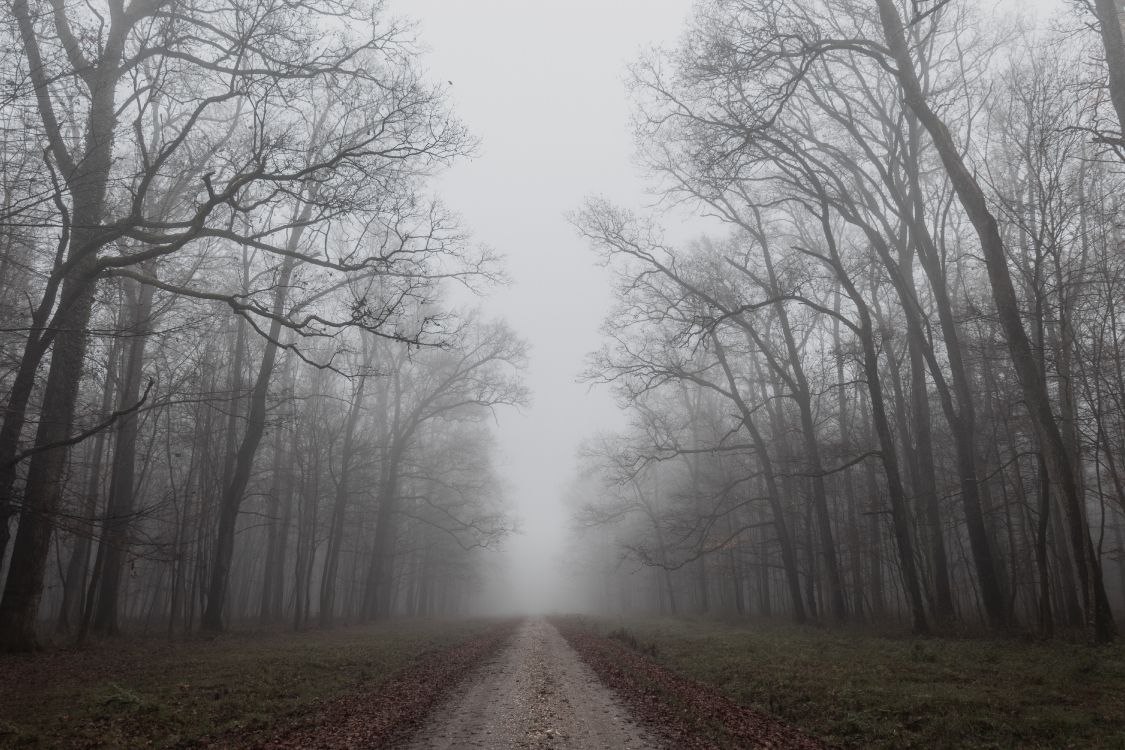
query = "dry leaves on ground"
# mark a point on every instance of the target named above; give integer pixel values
(390, 712)
(693, 715)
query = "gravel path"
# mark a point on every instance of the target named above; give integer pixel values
(536, 693)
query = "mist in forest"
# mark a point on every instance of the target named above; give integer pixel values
(342, 312)
(553, 129)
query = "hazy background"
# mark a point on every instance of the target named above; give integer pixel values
(541, 84)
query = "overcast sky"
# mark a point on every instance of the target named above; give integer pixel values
(541, 84)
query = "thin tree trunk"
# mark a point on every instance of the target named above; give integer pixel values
(340, 504)
(233, 493)
(785, 542)
(273, 508)
(803, 397)
(377, 599)
(896, 493)
(1098, 617)
(119, 510)
(74, 590)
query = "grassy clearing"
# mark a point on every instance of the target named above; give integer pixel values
(157, 694)
(859, 690)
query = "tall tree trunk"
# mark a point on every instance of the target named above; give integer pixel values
(784, 540)
(273, 510)
(23, 588)
(340, 503)
(119, 510)
(856, 562)
(927, 480)
(958, 406)
(74, 589)
(233, 493)
(277, 612)
(280, 508)
(1098, 617)
(802, 395)
(897, 495)
(1046, 617)
(1108, 13)
(87, 179)
(380, 576)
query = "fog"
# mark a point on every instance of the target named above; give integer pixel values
(541, 84)
(781, 341)
(289, 386)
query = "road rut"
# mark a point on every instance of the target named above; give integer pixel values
(536, 693)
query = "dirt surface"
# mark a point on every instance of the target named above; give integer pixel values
(536, 693)
(695, 716)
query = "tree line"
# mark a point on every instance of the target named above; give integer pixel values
(235, 385)
(891, 387)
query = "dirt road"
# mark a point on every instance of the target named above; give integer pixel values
(536, 693)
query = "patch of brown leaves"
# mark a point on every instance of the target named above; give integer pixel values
(381, 716)
(692, 715)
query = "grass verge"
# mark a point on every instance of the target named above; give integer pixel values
(238, 689)
(688, 714)
(858, 690)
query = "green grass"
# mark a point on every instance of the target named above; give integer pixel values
(859, 690)
(152, 693)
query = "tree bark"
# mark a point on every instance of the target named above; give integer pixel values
(380, 577)
(803, 398)
(233, 493)
(897, 495)
(119, 511)
(1113, 43)
(785, 542)
(340, 503)
(1098, 617)
(87, 180)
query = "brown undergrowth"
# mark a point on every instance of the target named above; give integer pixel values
(692, 715)
(397, 707)
(347, 687)
(866, 689)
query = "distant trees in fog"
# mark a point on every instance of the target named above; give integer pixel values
(231, 388)
(894, 386)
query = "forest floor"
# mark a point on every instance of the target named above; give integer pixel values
(347, 687)
(566, 684)
(855, 689)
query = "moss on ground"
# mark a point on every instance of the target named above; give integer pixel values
(860, 690)
(151, 693)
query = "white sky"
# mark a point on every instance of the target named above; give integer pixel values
(541, 84)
